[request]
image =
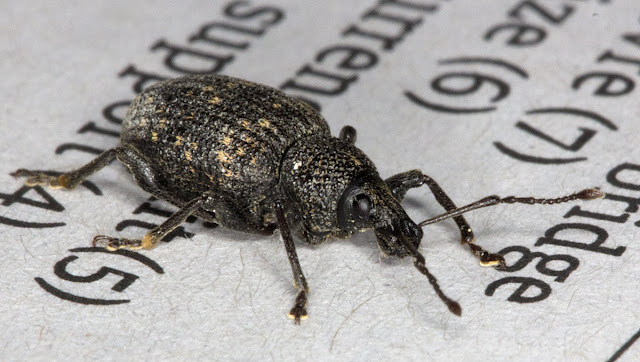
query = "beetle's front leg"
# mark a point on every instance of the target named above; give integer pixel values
(298, 311)
(402, 182)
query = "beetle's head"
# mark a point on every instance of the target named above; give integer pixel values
(333, 189)
(368, 203)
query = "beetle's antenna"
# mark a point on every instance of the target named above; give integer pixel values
(419, 262)
(586, 194)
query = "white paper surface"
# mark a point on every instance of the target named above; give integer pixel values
(225, 295)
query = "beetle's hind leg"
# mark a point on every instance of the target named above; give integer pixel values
(402, 182)
(144, 177)
(68, 180)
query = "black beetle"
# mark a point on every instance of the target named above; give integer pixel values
(250, 158)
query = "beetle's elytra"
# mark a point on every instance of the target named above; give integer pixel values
(250, 158)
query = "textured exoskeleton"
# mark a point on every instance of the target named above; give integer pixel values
(250, 158)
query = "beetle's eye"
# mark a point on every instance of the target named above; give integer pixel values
(354, 209)
(361, 207)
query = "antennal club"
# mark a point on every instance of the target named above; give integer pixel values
(419, 262)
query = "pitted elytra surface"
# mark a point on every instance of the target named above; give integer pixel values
(251, 158)
(217, 132)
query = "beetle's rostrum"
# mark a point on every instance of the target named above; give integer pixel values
(250, 158)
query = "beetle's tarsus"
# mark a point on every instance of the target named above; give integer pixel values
(492, 260)
(35, 178)
(486, 258)
(113, 244)
(299, 312)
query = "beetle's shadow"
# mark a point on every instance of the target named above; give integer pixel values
(414, 202)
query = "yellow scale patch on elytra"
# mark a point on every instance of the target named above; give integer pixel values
(240, 151)
(207, 88)
(250, 140)
(215, 100)
(264, 123)
(226, 140)
(154, 136)
(222, 156)
(277, 105)
(187, 155)
(193, 146)
(178, 141)
(229, 173)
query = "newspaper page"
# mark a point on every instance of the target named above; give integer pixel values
(532, 98)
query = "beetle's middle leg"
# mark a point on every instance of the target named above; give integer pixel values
(402, 182)
(151, 238)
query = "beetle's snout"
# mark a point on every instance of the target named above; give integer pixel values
(390, 236)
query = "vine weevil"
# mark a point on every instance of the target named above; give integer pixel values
(250, 158)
